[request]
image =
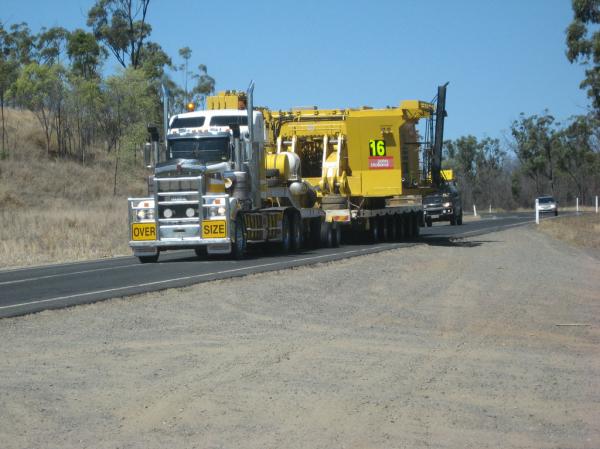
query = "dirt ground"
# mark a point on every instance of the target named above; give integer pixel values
(490, 342)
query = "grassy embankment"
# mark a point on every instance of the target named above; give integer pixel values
(582, 230)
(56, 210)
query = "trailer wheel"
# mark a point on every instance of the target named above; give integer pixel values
(326, 235)
(286, 234)
(315, 232)
(385, 229)
(400, 226)
(417, 225)
(240, 244)
(297, 232)
(408, 227)
(149, 259)
(336, 235)
(374, 230)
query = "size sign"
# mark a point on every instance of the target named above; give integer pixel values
(377, 147)
(216, 229)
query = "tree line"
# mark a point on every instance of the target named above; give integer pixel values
(541, 155)
(58, 75)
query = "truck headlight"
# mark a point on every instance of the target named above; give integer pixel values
(190, 212)
(447, 204)
(167, 213)
(221, 210)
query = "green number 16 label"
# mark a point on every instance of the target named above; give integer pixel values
(377, 147)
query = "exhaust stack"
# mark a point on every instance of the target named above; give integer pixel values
(440, 115)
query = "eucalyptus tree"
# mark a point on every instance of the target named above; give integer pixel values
(122, 27)
(583, 45)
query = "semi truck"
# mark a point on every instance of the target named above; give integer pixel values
(234, 175)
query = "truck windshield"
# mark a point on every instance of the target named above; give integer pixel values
(226, 120)
(187, 122)
(206, 149)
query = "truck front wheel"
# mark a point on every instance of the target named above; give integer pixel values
(240, 244)
(149, 259)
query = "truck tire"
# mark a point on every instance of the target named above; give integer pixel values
(297, 232)
(315, 232)
(386, 235)
(239, 247)
(408, 226)
(374, 229)
(428, 222)
(149, 259)
(401, 228)
(326, 235)
(286, 234)
(336, 235)
(459, 220)
(416, 225)
(453, 219)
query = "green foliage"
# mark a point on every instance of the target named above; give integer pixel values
(536, 142)
(41, 89)
(205, 85)
(583, 45)
(479, 167)
(50, 44)
(121, 26)
(85, 54)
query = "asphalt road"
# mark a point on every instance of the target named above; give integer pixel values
(29, 290)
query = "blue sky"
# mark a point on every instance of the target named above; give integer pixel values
(501, 57)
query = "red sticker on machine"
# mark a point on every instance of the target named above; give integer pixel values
(381, 162)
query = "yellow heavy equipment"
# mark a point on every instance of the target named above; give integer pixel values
(367, 166)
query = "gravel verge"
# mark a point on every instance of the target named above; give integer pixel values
(485, 342)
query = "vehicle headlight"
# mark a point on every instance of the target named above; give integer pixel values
(447, 204)
(145, 211)
(190, 212)
(167, 213)
(221, 210)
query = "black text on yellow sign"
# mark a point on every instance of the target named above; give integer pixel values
(377, 147)
(143, 231)
(216, 229)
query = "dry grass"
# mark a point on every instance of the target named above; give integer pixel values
(62, 232)
(582, 230)
(55, 210)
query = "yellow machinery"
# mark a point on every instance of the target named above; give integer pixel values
(354, 153)
(228, 99)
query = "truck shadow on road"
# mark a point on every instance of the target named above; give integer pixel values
(453, 242)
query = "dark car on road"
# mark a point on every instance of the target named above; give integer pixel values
(444, 205)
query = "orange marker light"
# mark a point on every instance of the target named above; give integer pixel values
(191, 107)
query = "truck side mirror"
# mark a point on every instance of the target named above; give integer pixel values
(148, 155)
(153, 131)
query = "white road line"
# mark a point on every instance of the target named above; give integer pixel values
(18, 281)
(196, 276)
(512, 225)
